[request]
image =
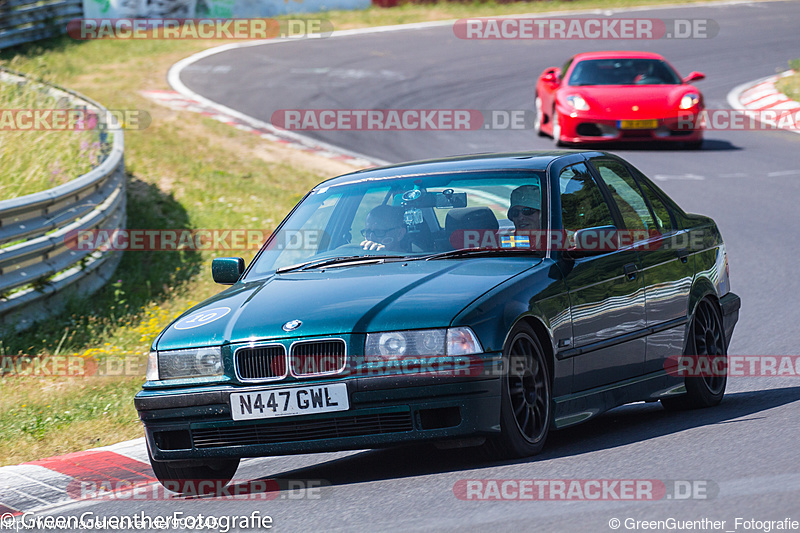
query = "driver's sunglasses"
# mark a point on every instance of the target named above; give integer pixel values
(516, 211)
(379, 233)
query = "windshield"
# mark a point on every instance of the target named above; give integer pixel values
(405, 218)
(623, 72)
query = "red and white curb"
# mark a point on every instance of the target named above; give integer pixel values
(761, 95)
(180, 102)
(47, 482)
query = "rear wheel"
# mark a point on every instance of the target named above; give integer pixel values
(525, 413)
(707, 339)
(195, 478)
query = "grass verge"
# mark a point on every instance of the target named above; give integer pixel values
(184, 171)
(790, 85)
(37, 160)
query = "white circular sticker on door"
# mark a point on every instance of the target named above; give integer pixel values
(201, 318)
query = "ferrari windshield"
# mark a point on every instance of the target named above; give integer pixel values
(406, 218)
(623, 72)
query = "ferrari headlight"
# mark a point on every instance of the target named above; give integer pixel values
(421, 343)
(191, 363)
(577, 101)
(689, 100)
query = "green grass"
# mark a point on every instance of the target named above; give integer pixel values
(184, 171)
(790, 85)
(37, 160)
(42, 417)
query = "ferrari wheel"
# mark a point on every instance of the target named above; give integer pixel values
(556, 129)
(706, 339)
(537, 122)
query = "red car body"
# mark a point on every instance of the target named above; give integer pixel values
(619, 97)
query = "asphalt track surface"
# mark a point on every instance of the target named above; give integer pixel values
(749, 182)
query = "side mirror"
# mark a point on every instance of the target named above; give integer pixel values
(550, 75)
(227, 270)
(694, 76)
(593, 241)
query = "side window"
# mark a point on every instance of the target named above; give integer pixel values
(635, 213)
(582, 203)
(663, 218)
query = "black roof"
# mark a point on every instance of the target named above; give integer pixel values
(465, 163)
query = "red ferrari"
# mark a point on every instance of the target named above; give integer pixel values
(618, 96)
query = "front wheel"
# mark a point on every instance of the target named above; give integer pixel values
(205, 478)
(537, 122)
(556, 129)
(706, 339)
(525, 412)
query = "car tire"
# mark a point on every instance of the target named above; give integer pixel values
(556, 129)
(706, 338)
(537, 122)
(526, 398)
(186, 478)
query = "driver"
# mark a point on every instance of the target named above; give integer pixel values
(526, 208)
(385, 230)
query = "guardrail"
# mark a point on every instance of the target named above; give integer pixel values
(24, 21)
(39, 272)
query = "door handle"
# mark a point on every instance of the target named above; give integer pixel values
(683, 255)
(630, 271)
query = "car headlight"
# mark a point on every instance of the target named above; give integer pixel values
(689, 100)
(152, 366)
(190, 363)
(577, 101)
(421, 343)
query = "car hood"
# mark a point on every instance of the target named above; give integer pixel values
(653, 101)
(355, 299)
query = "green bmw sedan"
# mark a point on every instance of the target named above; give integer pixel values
(473, 301)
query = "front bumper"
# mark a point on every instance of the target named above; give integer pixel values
(196, 423)
(730, 304)
(588, 127)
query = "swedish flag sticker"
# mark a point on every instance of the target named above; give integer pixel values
(515, 241)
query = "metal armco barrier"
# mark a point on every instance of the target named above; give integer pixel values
(25, 21)
(38, 271)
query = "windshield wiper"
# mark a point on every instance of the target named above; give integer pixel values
(464, 252)
(350, 259)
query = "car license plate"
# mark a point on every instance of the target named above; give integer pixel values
(289, 402)
(637, 124)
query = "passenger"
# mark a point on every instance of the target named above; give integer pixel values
(385, 230)
(525, 211)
